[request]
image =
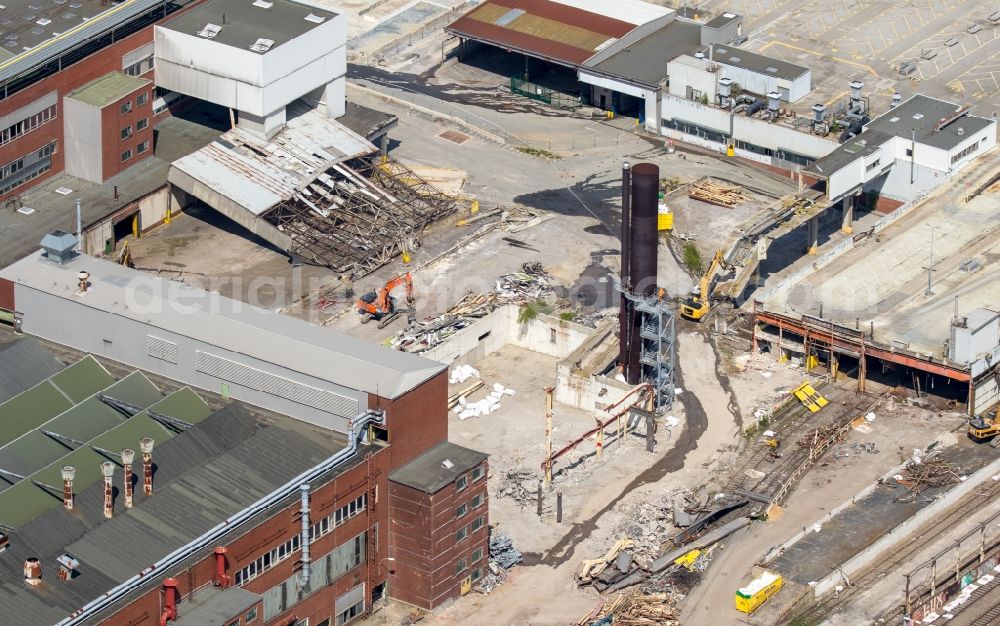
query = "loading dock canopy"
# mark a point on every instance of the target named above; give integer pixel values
(567, 32)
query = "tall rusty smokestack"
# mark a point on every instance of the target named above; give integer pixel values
(128, 455)
(68, 472)
(108, 471)
(642, 257)
(146, 446)
(624, 310)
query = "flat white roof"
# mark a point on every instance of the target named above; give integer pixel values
(629, 11)
(230, 324)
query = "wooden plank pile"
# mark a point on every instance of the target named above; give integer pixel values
(719, 194)
(636, 609)
(922, 474)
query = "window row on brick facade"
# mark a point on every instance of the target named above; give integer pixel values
(463, 563)
(463, 509)
(463, 481)
(26, 168)
(465, 531)
(268, 560)
(338, 517)
(28, 124)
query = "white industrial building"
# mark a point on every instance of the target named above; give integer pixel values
(975, 341)
(907, 151)
(255, 58)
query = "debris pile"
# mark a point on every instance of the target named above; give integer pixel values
(519, 485)
(487, 405)
(817, 435)
(648, 526)
(636, 609)
(528, 285)
(461, 374)
(714, 192)
(923, 473)
(609, 568)
(503, 556)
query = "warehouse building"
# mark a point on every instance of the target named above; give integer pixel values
(289, 500)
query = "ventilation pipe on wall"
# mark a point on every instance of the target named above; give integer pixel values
(169, 601)
(221, 578)
(304, 573)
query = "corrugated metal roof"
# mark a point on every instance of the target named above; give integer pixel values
(292, 343)
(23, 364)
(558, 31)
(257, 174)
(204, 474)
(439, 466)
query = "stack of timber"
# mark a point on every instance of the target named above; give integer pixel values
(714, 192)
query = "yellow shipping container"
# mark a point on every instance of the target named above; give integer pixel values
(749, 598)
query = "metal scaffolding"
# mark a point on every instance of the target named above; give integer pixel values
(355, 219)
(657, 352)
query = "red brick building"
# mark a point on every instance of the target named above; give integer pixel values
(82, 43)
(438, 508)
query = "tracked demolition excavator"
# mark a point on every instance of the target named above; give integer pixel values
(986, 427)
(697, 305)
(382, 306)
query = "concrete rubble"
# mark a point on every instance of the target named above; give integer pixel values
(520, 485)
(530, 284)
(503, 556)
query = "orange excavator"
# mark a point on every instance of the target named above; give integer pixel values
(381, 306)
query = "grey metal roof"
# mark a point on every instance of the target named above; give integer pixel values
(244, 22)
(209, 317)
(922, 113)
(768, 66)
(23, 364)
(75, 22)
(977, 318)
(203, 475)
(429, 473)
(367, 123)
(868, 142)
(214, 606)
(646, 60)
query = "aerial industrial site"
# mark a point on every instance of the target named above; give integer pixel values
(499, 312)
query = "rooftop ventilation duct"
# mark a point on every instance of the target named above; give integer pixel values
(128, 455)
(68, 472)
(108, 472)
(58, 246)
(896, 100)
(146, 446)
(262, 45)
(67, 567)
(819, 111)
(32, 572)
(725, 87)
(210, 31)
(221, 577)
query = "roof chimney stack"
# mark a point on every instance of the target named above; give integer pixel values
(32, 572)
(146, 446)
(128, 455)
(108, 471)
(83, 279)
(68, 472)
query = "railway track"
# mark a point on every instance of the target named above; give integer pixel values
(925, 535)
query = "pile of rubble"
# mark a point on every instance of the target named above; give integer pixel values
(926, 472)
(636, 609)
(465, 409)
(530, 284)
(649, 525)
(520, 485)
(503, 556)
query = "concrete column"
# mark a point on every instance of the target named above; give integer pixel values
(847, 213)
(812, 230)
(383, 144)
(265, 127)
(335, 96)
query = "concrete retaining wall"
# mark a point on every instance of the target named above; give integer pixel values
(546, 334)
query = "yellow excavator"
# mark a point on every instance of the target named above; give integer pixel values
(697, 305)
(986, 427)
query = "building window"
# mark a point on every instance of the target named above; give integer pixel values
(477, 555)
(142, 147)
(872, 165)
(964, 153)
(477, 574)
(126, 155)
(236, 623)
(461, 566)
(26, 168)
(140, 67)
(461, 483)
(127, 132)
(909, 152)
(341, 515)
(142, 124)
(477, 473)
(461, 510)
(462, 533)
(141, 99)
(478, 523)
(351, 613)
(477, 500)
(251, 615)
(265, 562)
(126, 107)
(27, 125)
